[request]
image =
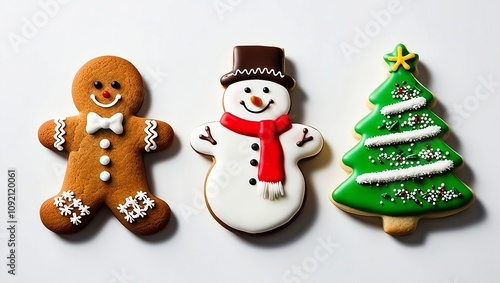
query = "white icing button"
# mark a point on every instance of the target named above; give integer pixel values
(104, 143)
(104, 176)
(104, 160)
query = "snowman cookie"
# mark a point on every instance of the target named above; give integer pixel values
(255, 184)
(105, 142)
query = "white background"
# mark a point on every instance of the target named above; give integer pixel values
(334, 50)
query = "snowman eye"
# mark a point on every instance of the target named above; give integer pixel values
(265, 90)
(115, 84)
(97, 84)
(247, 90)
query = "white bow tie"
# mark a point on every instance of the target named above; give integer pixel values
(96, 122)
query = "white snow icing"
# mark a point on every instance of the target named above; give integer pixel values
(406, 173)
(408, 136)
(412, 104)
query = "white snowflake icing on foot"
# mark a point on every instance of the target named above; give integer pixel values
(72, 207)
(133, 209)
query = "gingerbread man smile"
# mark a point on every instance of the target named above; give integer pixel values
(111, 104)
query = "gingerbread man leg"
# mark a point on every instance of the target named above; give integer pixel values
(69, 211)
(141, 212)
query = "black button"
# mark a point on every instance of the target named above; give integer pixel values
(254, 162)
(252, 181)
(255, 146)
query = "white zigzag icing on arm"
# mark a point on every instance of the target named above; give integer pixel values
(258, 70)
(60, 132)
(151, 134)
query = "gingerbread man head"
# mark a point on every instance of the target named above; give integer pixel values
(99, 87)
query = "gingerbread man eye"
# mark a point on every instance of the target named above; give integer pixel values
(247, 90)
(265, 89)
(115, 84)
(97, 84)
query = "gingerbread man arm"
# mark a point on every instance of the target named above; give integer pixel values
(58, 134)
(155, 134)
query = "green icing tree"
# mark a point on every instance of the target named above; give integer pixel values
(402, 170)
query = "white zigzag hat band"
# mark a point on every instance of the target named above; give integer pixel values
(261, 71)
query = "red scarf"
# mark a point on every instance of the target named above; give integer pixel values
(271, 168)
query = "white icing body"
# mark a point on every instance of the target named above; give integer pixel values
(228, 192)
(230, 196)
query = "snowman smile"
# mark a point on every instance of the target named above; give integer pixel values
(257, 111)
(111, 104)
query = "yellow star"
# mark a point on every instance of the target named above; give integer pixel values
(400, 59)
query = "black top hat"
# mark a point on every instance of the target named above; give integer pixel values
(258, 62)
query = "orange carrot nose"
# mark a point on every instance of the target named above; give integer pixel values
(256, 101)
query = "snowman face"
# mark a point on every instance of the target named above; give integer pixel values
(108, 85)
(256, 100)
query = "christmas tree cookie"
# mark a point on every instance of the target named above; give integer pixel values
(401, 169)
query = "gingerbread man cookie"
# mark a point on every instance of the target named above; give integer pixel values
(105, 143)
(255, 184)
